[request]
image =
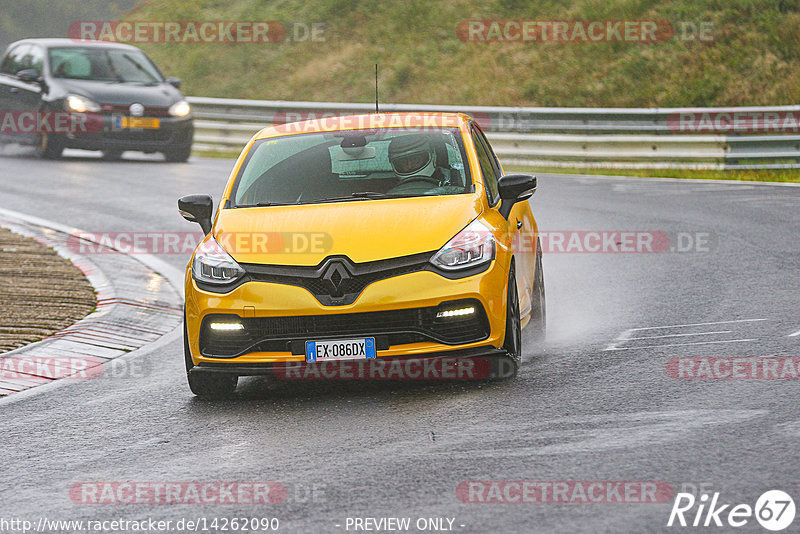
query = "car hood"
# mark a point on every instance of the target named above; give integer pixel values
(163, 94)
(362, 230)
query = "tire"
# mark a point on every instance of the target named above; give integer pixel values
(513, 339)
(49, 146)
(178, 155)
(208, 385)
(112, 155)
(538, 300)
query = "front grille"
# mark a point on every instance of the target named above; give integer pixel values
(390, 328)
(124, 109)
(162, 135)
(338, 281)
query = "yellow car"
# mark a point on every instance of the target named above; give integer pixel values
(345, 243)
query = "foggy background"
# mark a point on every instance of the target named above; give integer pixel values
(20, 19)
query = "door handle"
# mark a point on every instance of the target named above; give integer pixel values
(13, 90)
(519, 224)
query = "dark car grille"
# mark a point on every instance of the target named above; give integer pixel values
(390, 328)
(149, 111)
(141, 135)
(338, 281)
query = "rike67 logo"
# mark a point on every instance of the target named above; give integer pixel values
(774, 510)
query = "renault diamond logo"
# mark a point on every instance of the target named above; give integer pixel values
(334, 276)
(136, 109)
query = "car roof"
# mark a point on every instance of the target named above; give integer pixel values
(371, 121)
(59, 42)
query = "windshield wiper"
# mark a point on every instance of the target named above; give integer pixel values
(370, 194)
(264, 204)
(360, 195)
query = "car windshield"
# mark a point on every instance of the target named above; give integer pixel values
(352, 165)
(103, 64)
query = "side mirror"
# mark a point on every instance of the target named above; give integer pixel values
(174, 82)
(29, 76)
(515, 188)
(197, 208)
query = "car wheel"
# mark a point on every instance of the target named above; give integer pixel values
(49, 147)
(513, 340)
(178, 155)
(538, 300)
(112, 155)
(210, 385)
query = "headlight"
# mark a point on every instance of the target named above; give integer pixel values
(180, 109)
(81, 104)
(213, 265)
(472, 246)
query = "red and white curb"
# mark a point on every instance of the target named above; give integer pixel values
(139, 308)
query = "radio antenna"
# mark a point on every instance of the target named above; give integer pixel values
(376, 89)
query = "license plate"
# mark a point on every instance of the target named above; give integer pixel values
(143, 123)
(340, 349)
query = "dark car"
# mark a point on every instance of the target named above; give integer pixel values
(61, 93)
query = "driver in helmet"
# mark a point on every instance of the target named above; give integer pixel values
(413, 159)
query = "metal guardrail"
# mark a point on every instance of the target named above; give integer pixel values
(558, 137)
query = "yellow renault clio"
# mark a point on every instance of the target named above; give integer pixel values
(367, 238)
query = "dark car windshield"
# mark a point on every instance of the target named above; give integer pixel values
(352, 165)
(103, 64)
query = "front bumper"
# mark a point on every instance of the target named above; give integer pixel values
(172, 134)
(403, 294)
(477, 363)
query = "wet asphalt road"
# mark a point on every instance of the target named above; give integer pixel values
(576, 412)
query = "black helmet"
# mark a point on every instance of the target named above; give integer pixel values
(412, 155)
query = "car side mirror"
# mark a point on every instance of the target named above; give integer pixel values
(174, 82)
(515, 188)
(29, 76)
(197, 208)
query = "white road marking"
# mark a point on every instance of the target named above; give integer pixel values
(682, 335)
(697, 324)
(173, 275)
(622, 338)
(682, 344)
(627, 335)
(795, 334)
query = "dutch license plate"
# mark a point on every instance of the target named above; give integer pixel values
(143, 123)
(340, 349)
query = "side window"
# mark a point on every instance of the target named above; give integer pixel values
(492, 157)
(13, 60)
(487, 169)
